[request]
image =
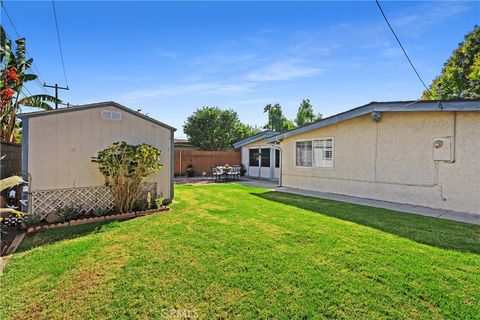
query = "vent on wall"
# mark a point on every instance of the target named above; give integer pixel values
(111, 115)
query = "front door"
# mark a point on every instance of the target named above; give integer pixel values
(265, 162)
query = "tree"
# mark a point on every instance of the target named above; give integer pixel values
(125, 167)
(276, 120)
(245, 131)
(12, 81)
(211, 128)
(306, 114)
(460, 77)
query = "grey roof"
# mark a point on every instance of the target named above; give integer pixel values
(259, 136)
(394, 106)
(95, 105)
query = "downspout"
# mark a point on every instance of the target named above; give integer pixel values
(25, 169)
(172, 164)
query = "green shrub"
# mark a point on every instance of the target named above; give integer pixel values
(159, 202)
(67, 214)
(31, 220)
(99, 212)
(124, 167)
(141, 205)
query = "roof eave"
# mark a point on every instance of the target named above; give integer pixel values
(259, 136)
(407, 106)
(95, 105)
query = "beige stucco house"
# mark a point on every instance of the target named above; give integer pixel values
(261, 160)
(415, 152)
(58, 145)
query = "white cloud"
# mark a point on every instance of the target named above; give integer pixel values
(187, 89)
(283, 70)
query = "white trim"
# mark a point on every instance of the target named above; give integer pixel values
(313, 157)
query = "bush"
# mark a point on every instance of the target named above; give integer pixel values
(243, 170)
(99, 212)
(159, 202)
(67, 214)
(31, 220)
(124, 167)
(141, 205)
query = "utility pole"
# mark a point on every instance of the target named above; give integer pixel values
(56, 87)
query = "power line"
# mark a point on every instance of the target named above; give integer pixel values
(39, 79)
(59, 42)
(11, 21)
(405, 52)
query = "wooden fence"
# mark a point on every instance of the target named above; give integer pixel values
(202, 161)
(12, 163)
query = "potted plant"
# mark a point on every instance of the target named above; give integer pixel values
(243, 170)
(190, 171)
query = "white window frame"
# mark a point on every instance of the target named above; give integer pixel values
(330, 166)
(258, 158)
(108, 115)
(119, 118)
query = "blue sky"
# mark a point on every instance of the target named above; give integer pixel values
(169, 58)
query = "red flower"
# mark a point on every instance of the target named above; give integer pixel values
(7, 94)
(12, 75)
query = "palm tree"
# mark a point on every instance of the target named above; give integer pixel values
(13, 78)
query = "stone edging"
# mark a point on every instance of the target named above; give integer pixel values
(121, 216)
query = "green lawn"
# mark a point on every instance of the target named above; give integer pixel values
(230, 251)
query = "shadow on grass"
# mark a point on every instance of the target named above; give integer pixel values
(50, 236)
(431, 231)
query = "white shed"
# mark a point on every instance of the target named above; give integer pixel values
(57, 146)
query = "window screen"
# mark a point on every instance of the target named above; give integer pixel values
(265, 157)
(106, 114)
(303, 153)
(277, 158)
(323, 153)
(253, 158)
(116, 116)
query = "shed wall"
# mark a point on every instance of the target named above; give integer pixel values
(60, 147)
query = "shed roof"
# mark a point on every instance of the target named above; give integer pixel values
(92, 106)
(393, 106)
(259, 136)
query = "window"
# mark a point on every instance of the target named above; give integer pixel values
(323, 153)
(253, 158)
(265, 153)
(277, 158)
(106, 114)
(303, 151)
(111, 115)
(315, 153)
(116, 116)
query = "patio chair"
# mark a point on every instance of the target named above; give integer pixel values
(234, 172)
(216, 175)
(219, 173)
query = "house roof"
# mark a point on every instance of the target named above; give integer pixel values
(92, 106)
(259, 136)
(393, 106)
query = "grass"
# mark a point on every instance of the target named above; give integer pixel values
(233, 251)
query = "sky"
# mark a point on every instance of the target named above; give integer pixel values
(170, 58)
